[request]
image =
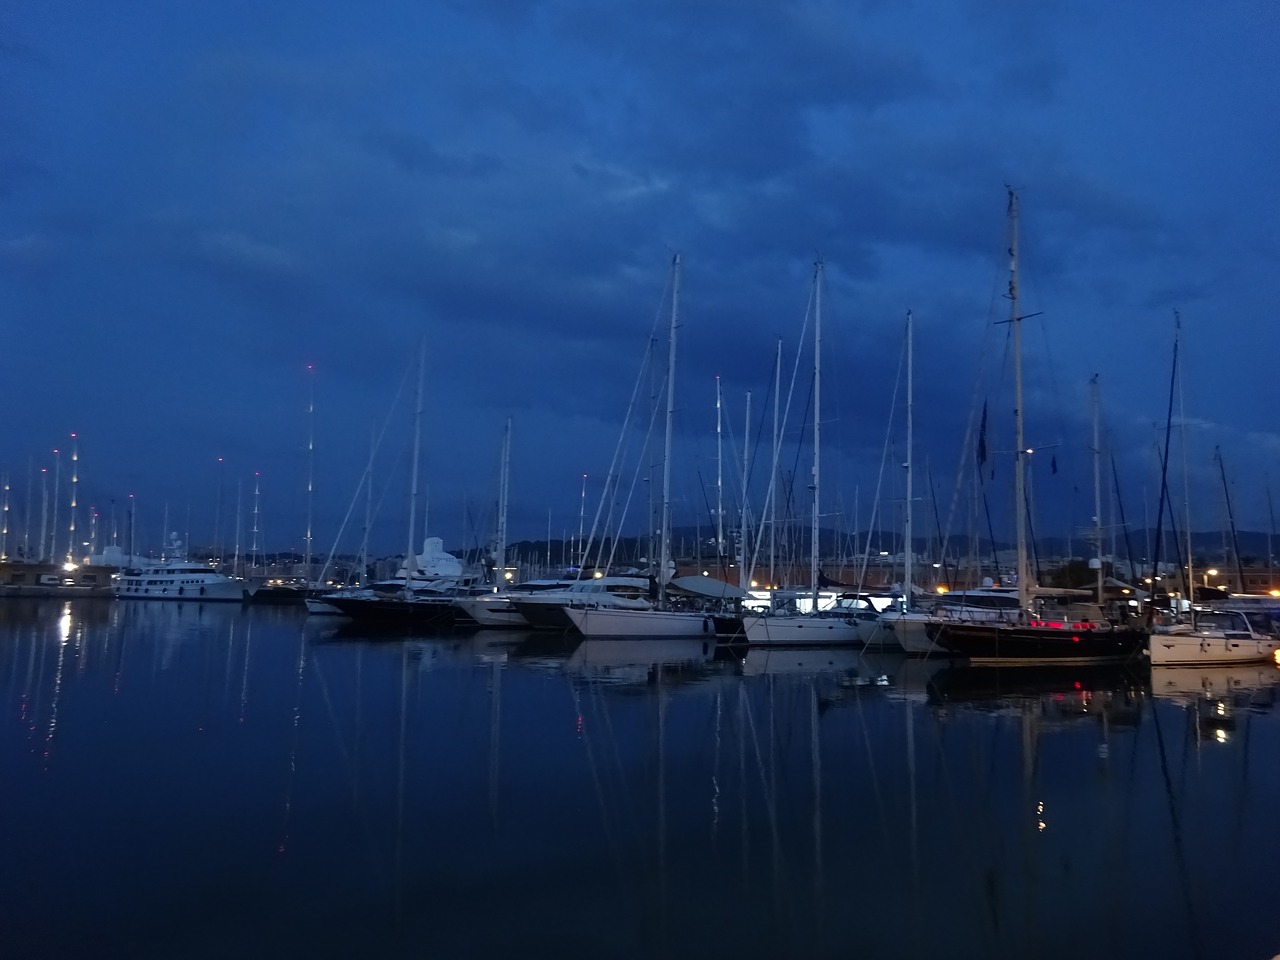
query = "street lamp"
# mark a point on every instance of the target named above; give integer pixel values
(1211, 572)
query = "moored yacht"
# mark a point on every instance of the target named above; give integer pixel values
(1213, 637)
(545, 610)
(498, 609)
(179, 580)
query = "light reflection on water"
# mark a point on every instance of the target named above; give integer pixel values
(206, 779)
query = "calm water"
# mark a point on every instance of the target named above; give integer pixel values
(212, 781)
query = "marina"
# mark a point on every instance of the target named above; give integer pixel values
(214, 779)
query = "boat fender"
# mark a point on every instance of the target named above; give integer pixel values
(202, 591)
(706, 624)
(180, 589)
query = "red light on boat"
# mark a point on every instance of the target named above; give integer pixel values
(1075, 639)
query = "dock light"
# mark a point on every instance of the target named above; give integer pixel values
(69, 567)
(598, 574)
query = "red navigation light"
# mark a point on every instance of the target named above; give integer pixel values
(1075, 639)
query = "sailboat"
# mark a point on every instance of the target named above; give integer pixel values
(903, 625)
(399, 605)
(816, 626)
(657, 619)
(1051, 632)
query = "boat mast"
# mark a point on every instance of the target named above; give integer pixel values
(908, 527)
(255, 550)
(719, 479)
(742, 512)
(1097, 481)
(817, 421)
(410, 557)
(311, 456)
(4, 532)
(57, 487)
(773, 474)
(1020, 461)
(503, 490)
(1186, 475)
(75, 480)
(665, 532)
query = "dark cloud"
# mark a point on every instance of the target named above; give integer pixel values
(510, 180)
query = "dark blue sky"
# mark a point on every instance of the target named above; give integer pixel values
(198, 201)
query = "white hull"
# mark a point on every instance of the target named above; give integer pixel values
(612, 622)
(202, 585)
(492, 610)
(1188, 649)
(318, 608)
(808, 631)
(910, 633)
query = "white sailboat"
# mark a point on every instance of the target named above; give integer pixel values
(904, 625)
(817, 626)
(655, 620)
(1212, 638)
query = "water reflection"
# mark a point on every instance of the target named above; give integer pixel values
(271, 780)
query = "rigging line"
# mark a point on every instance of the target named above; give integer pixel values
(721, 564)
(635, 393)
(1164, 471)
(786, 415)
(1128, 545)
(765, 411)
(635, 479)
(884, 459)
(368, 470)
(937, 525)
(1231, 519)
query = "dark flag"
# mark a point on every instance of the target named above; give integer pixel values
(1053, 464)
(982, 436)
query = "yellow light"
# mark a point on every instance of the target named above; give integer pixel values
(754, 584)
(1274, 593)
(1212, 572)
(598, 574)
(943, 588)
(69, 567)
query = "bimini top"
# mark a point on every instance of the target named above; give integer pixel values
(709, 587)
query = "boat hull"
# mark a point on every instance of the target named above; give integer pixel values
(611, 622)
(1168, 649)
(491, 611)
(807, 631)
(212, 592)
(427, 614)
(1014, 644)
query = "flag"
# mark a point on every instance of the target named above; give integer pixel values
(1053, 464)
(982, 436)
